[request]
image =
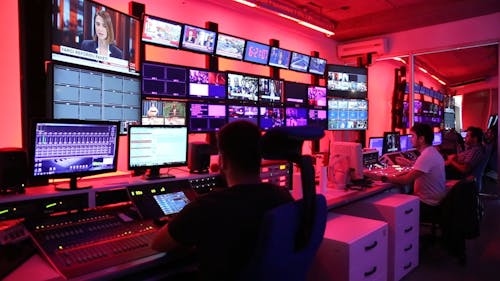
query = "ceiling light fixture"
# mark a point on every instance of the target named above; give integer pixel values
(304, 17)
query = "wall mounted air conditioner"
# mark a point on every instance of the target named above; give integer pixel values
(375, 46)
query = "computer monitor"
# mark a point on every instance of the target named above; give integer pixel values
(296, 93)
(279, 58)
(295, 116)
(317, 66)
(352, 153)
(242, 87)
(317, 117)
(230, 46)
(271, 117)
(256, 52)
(72, 148)
(157, 146)
(198, 39)
(206, 117)
(270, 91)
(317, 96)
(347, 114)
(376, 143)
(163, 112)
(161, 32)
(347, 81)
(164, 80)
(207, 84)
(392, 142)
(299, 62)
(242, 112)
(438, 138)
(403, 140)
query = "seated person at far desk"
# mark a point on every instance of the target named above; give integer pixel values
(427, 174)
(223, 226)
(468, 161)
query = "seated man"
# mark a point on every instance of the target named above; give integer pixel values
(427, 173)
(467, 162)
(224, 225)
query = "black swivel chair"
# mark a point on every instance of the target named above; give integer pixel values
(291, 233)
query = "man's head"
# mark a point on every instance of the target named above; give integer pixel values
(421, 135)
(239, 148)
(474, 135)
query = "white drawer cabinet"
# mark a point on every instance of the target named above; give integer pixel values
(353, 249)
(401, 212)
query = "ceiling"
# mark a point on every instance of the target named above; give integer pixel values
(354, 19)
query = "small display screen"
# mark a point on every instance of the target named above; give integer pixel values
(299, 62)
(198, 39)
(242, 87)
(256, 52)
(279, 58)
(171, 203)
(230, 46)
(162, 32)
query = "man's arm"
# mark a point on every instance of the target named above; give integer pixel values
(164, 242)
(461, 167)
(403, 178)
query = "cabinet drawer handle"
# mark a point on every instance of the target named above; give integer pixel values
(407, 266)
(368, 248)
(409, 211)
(408, 248)
(408, 229)
(371, 271)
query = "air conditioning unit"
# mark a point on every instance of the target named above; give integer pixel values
(377, 46)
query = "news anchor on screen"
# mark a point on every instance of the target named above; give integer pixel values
(103, 42)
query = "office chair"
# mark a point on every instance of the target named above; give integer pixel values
(291, 233)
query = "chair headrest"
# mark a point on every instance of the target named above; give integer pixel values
(285, 143)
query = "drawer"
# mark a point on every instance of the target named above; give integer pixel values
(372, 247)
(405, 263)
(405, 230)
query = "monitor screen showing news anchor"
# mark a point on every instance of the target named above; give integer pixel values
(90, 34)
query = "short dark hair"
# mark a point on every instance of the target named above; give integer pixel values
(422, 129)
(476, 132)
(239, 143)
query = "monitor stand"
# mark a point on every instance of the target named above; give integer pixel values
(154, 174)
(72, 185)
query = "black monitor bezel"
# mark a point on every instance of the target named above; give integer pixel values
(226, 56)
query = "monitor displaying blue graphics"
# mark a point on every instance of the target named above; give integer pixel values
(299, 62)
(161, 32)
(295, 116)
(162, 80)
(376, 143)
(317, 66)
(207, 84)
(347, 81)
(279, 57)
(270, 90)
(198, 39)
(230, 47)
(438, 138)
(242, 87)
(204, 117)
(271, 117)
(163, 112)
(242, 112)
(316, 96)
(403, 140)
(347, 114)
(256, 52)
(317, 117)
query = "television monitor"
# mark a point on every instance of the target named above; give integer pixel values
(163, 80)
(317, 66)
(270, 90)
(347, 114)
(230, 46)
(256, 52)
(270, 117)
(242, 112)
(317, 117)
(295, 116)
(299, 62)
(347, 81)
(198, 39)
(296, 93)
(157, 146)
(206, 117)
(376, 143)
(242, 87)
(438, 138)
(279, 58)
(352, 153)
(403, 140)
(77, 28)
(85, 94)
(70, 148)
(161, 32)
(207, 84)
(316, 96)
(163, 112)
(391, 143)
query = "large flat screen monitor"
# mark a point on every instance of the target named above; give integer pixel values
(163, 80)
(163, 112)
(271, 117)
(242, 112)
(161, 32)
(279, 58)
(299, 62)
(256, 52)
(347, 81)
(230, 46)
(155, 147)
(296, 93)
(206, 117)
(317, 96)
(86, 94)
(207, 84)
(317, 66)
(198, 39)
(77, 26)
(347, 114)
(295, 116)
(392, 142)
(242, 87)
(376, 143)
(73, 148)
(270, 91)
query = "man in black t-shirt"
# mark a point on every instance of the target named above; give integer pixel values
(224, 225)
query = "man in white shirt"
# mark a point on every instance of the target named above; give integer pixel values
(428, 172)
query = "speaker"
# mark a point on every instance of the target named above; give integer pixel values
(13, 169)
(199, 157)
(136, 9)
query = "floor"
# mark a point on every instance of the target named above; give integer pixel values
(483, 253)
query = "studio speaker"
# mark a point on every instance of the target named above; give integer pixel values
(13, 169)
(199, 157)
